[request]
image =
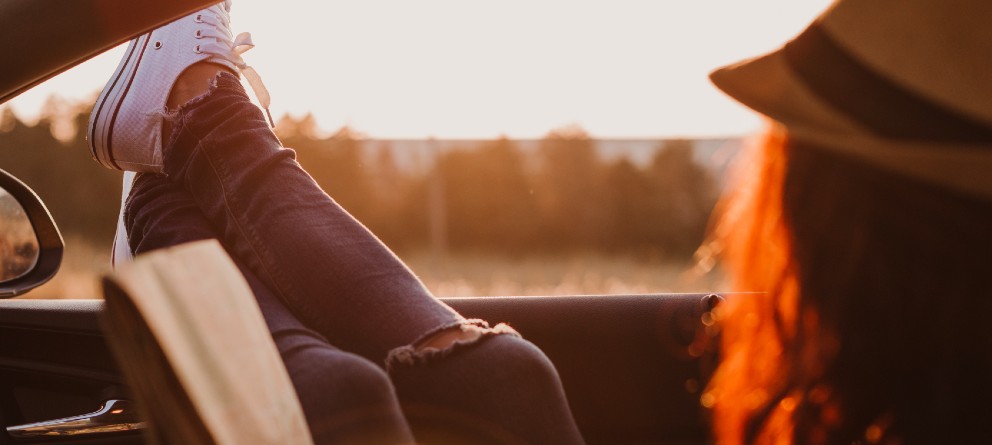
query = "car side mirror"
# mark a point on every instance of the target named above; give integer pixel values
(30, 243)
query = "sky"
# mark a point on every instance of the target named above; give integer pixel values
(482, 69)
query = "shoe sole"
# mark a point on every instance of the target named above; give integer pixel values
(108, 105)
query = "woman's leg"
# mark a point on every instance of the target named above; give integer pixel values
(345, 398)
(502, 390)
(328, 268)
(341, 281)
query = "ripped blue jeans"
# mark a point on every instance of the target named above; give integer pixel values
(346, 314)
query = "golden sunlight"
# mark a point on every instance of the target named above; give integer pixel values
(457, 69)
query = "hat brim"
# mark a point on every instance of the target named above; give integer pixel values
(769, 86)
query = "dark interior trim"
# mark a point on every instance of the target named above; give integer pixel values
(47, 37)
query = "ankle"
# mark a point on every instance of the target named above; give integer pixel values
(194, 82)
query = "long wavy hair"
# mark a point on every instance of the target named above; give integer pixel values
(873, 321)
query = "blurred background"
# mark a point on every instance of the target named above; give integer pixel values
(509, 148)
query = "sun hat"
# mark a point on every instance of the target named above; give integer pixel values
(905, 85)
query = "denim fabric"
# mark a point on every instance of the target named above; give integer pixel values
(345, 398)
(323, 279)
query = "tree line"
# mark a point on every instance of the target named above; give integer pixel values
(489, 196)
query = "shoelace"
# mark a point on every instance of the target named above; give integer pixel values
(220, 42)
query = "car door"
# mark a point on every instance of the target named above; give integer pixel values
(625, 363)
(58, 380)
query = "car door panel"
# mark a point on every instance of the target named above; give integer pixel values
(623, 361)
(55, 363)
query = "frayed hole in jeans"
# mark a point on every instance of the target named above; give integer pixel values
(421, 353)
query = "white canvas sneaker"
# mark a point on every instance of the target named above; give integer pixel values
(120, 253)
(125, 129)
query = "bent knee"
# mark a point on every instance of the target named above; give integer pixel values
(445, 341)
(332, 376)
(515, 356)
(497, 352)
(346, 398)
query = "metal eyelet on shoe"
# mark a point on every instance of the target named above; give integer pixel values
(197, 49)
(199, 33)
(198, 18)
(158, 44)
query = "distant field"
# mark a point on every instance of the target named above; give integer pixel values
(480, 275)
(457, 275)
(82, 266)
